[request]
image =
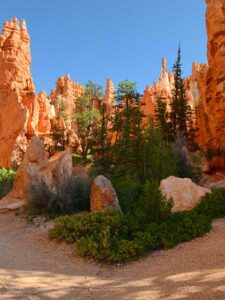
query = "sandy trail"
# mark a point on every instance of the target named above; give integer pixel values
(31, 267)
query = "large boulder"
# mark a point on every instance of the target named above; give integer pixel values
(103, 196)
(35, 168)
(184, 193)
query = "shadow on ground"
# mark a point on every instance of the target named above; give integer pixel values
(31, 267)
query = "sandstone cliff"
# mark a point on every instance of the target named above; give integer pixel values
(210, 111)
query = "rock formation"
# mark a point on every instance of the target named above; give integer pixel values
(17, 94)
(210, 112)
(162, 88)
(46, 113)
(36, 168)
(65, 93)
(103, 196)
(35, 114)
(22, 114)
(184, 193)
(109, 97)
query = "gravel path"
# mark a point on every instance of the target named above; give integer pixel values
(31, 267)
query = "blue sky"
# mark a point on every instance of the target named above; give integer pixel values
(117, 39)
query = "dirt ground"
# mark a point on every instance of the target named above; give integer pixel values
(32, 267)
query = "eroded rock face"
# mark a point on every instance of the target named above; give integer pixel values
(36, 167)
(46, 113)
(17, 94)
(185, 193)
(211, 110)
(109, 97)
(162, 88)
(103, 196)
(66, 92)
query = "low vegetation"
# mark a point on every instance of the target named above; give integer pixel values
(6, 181)
(72, 195)
(116, 238)
(213, 205)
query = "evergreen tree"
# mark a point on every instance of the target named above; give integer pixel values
(60, 133)
(162, 117)
(86, 115)
(101, 147)
(181, 113)
(127, 127)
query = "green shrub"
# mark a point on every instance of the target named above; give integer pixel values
(107, 236)
(157, 157)
(6, 181)
(128, 190)
(213, 205)
(155, 207)
(72, 194)
(73, 228)
(182, 227)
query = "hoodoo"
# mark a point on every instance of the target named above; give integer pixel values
(17, 93)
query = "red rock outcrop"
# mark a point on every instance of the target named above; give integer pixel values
(162, 88)
(46, 113)
(17, 94)
(66, 92)
(109, 97)
(36, 168)
(22, 113)
(210, 112)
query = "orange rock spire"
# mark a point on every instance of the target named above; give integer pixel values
(17, 93)
(109, 98)
(67, 91)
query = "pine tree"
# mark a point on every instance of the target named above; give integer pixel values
(180, 110)
(60, 133)
(181, 115)
(127, 127)
(162, 117)
(101, 146)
